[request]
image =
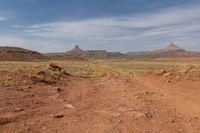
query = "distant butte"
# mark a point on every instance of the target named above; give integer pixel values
(172, 46)
(76, 48)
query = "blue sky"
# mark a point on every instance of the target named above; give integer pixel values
(114, 25)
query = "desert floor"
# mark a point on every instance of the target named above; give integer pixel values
(111, 96)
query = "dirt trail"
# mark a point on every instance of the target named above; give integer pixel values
(183, 95)
(110, 104)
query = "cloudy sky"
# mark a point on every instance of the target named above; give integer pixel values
(114, 25)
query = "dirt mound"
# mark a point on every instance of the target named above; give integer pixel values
(190, 73)
(19, 54)
(51, 75)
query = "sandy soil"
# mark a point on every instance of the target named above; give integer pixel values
(111, 104)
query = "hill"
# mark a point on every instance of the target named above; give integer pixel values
(170, 51)
(19, 54)
(95, 54)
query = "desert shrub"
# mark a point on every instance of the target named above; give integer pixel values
(6, 82)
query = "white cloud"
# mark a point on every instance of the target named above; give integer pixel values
(149, 30)
(34, 44)
(2, 18)
(11, 41)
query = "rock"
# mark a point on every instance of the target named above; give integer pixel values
(17, 109)
(139, 115)
(136, 114)
(58, 89)
(44, 128)
(168, 81)
(167, 74)
(137, 97)
(1, 109)
(61, 100)
(105, 112)
(55, 67)
(120, 121)
(31, 95)
(4, 121)
(190, 124)
(68, 106)
(24, 89)
(125, 109)
(7, 118)
(59, 115)
(54, 97)
(178, 77)
(172, 120)
(180, 130)
(27, 87)
(161, 72)
(132, 112)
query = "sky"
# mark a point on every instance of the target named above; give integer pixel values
(113, 25)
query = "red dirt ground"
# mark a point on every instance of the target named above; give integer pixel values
(110, 104)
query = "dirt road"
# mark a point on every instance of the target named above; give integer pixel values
(110, 104)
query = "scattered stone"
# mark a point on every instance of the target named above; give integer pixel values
(61, 100)
(27, 87)
(172, 120)
(137, 97)
(180, 130)
(136, 114)
(54, 67)
(190, 124)
(125, 109)
(44, 128)
(167, 74)
(58, 89)
(4, 121)
(161, 72)
(1, 109)
(54, 97)
(24, 89)
(178, 77)
(59, 115)
(27, 128)
(120, 121)
(104, 112)
(168, 81)
(29, 124)
(17, 109)
(31, 95)
(68, 106)
(139, 115)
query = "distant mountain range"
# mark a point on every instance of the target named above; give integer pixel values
(170, 51)
(20, 54)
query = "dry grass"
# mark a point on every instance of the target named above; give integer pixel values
(93, 69)
(151, 66)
